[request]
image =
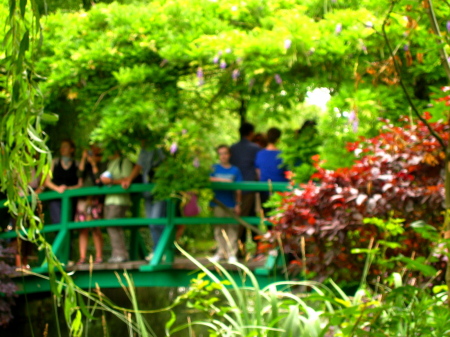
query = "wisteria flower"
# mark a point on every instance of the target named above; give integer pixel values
(216, 59)
(223, 64)
(235, 74)
(287, 44)
(448, 26)
(352, 116)
(278, 79)
(200, 72)
(355, 125)
(338, 29)
(173, 148)
(196, 162)
(406, 47)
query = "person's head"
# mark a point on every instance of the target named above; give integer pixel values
(97, 152)
(308, 125)
(223, 151)
(260, 139)
(246, 130)
(67, 148)
(273, 135)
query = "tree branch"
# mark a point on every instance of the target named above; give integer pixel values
(402, 84)
(435, 26)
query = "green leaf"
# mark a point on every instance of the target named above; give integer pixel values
(170, 322)
(417, 265)
(50, 118)
(25, 43)
(23, 5)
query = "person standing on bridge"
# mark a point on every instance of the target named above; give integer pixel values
(64, 177)
(226, 235)
(116, 205)
(149, 159)
(90, 207)
(243, 155)
(269, 166)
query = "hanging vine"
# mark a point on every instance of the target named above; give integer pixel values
(24, 153)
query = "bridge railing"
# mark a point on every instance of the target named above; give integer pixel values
(164, 254)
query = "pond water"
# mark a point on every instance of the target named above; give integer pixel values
(39, 315)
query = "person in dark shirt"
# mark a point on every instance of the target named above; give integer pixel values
(269, 165)
(243, 155)
(65, 177)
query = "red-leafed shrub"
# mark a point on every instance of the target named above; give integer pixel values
(399, 174)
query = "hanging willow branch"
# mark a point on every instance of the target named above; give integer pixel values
(23, 151)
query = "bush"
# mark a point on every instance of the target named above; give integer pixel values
(398, 174)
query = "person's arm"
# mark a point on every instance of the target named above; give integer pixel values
(82, 165)
(221, 180)
(78, 185)
(237, 208)
(126, 182)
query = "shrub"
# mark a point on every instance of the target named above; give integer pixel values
(398, 174)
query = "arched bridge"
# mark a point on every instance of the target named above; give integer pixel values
(164, 269)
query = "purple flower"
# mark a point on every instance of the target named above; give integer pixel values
(352, 116)
(406, 47)
(355, 125)
(223, 64)
(196, 162)
(364, 48)
(448, 26)
(235, 74)
(199, 72)
(278, 79)
(216, 59)
(173, 148)
(287, 43)
(338, 29)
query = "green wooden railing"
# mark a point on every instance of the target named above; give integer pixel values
(164, 254)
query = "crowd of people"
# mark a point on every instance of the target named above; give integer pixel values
(255, 157)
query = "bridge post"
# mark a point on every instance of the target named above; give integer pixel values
(165, 246)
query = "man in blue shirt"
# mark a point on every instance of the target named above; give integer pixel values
(243, 155)
(226, 235)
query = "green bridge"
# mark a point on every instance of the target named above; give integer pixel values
(164, 270)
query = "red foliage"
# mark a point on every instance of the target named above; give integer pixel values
(398, 174)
